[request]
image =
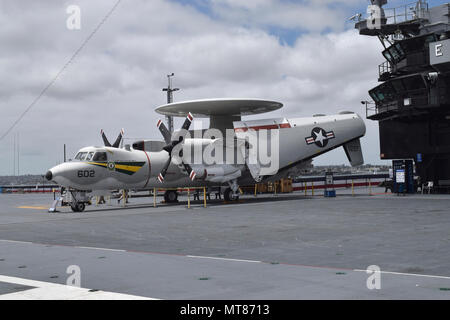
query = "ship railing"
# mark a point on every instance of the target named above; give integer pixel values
(371, 109)
(384, 69)
(409, 12)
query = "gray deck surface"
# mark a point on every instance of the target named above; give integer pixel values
(294, 247)
(6, 288)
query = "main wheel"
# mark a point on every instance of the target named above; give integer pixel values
(171, 196)
(229, 195)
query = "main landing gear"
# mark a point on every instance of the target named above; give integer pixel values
(232, 193)
(229, 195)
(171, 196)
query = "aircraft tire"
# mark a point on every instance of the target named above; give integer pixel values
(81, 206)
(78, 207)
(171, 196)
(229, 196)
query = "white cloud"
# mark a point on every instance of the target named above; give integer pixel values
(308, 15)
(116, 80)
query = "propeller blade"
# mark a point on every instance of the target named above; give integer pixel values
(168, 148)
(188, 121)
(171, 144)
(119, 138)
(162, 175)
(189, 170)
(165, 133)
(105, 140)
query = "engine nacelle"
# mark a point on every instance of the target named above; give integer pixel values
(217, 173)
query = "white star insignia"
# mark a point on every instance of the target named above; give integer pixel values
(319, 137)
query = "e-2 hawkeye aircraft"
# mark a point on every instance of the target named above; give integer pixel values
(292, 143)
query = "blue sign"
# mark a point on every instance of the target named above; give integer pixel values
(400, 176)
(419, 157)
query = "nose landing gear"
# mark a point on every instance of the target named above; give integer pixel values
(76, 199)
(78, 206)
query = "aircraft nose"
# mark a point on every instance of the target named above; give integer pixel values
(49, 175)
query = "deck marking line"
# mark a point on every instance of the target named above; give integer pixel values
(227, 259)
(407, 274)
(314, 267)
(57, 291)
(15, 241)
(103, 249)
(224, 259)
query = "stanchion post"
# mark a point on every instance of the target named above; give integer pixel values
(204, 197)
(353, 188)
(189, 198)
(312, 188)
(154, 197)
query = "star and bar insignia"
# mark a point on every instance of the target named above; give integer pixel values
(320, 137)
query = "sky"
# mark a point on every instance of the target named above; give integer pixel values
(303, 53)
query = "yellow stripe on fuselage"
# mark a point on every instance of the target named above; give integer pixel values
(98, 164)
(128, 168)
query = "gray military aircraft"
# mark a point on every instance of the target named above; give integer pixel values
(171, 163)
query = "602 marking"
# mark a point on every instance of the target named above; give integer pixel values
(86, 173)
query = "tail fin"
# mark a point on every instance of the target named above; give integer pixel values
(354, 152)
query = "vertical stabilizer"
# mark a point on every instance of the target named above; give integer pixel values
(354, 152)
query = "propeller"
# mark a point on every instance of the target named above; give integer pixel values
(116, 143)
(170, 145)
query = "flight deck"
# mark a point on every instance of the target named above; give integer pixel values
(270, 247)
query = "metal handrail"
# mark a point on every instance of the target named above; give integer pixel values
(409, 12)
(383, 68)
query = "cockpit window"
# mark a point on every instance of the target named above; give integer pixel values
(89, 156)
(99, 156)
(80, 156)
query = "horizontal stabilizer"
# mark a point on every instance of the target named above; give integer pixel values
(354, 152)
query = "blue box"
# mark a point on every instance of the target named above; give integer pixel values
(330, 193)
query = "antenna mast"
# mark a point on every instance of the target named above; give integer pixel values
(170, 90)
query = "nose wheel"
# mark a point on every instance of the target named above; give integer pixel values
(78, 207)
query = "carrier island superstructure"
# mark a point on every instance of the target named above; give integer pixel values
(412, 101)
